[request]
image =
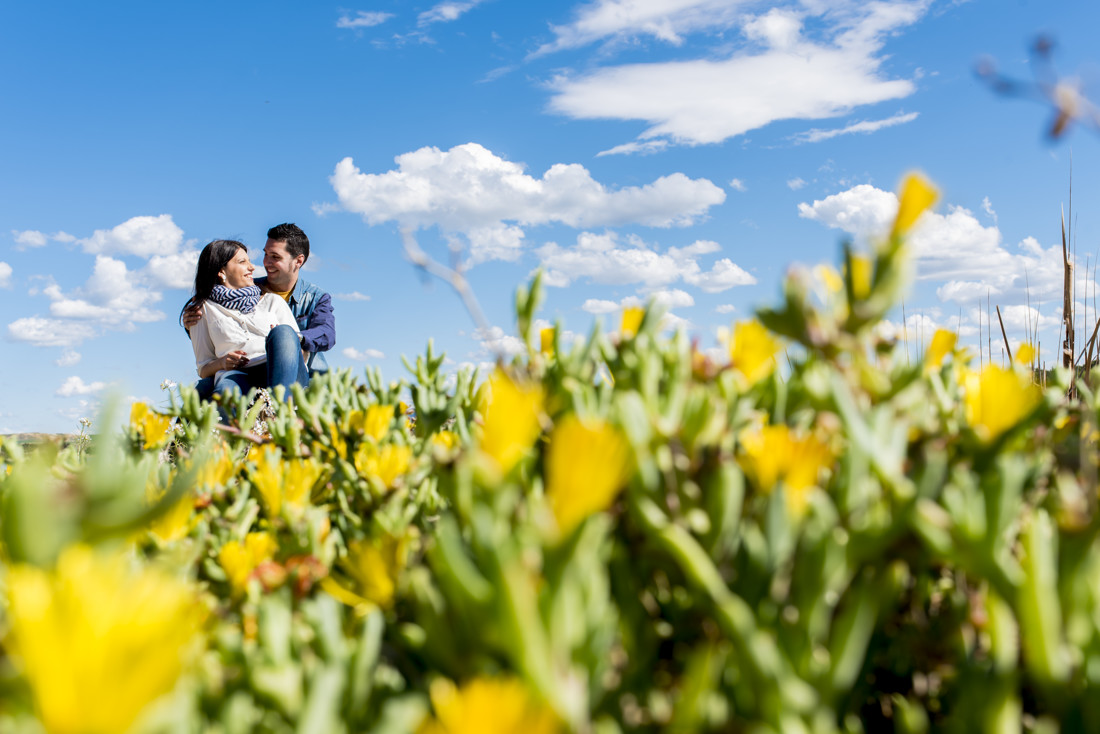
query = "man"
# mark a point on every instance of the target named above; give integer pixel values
(285, 252)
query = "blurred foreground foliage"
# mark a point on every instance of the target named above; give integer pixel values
(620, 533)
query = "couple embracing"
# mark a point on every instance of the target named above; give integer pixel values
(259, 332)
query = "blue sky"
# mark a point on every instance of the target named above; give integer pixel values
(691, 150)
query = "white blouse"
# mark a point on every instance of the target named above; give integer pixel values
(223, 330)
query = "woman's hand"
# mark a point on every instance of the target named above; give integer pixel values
(234, 360)
(191, 316)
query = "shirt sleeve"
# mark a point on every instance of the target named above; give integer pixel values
(201, 344)
(320, 333)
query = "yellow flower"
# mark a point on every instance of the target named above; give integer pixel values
(386, 464)
(631, 320)
(218, 468)
(512, 413)
(1025, 355)
(174, 523)
(445, 440)
(917, 194)
(240, 560)
(943, 343)
(998, 399)
(861, 276)
(378, 421)
(284, 482)
(487, 706)
(773, 454)
(830, 277)
(752, 350)
(546, 341)
(97, 641)
(354, 421)
(586, 465)
(372, 569)
(152, 426)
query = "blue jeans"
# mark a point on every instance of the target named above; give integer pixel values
(284, 366)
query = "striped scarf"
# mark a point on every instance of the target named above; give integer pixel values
(238, 299)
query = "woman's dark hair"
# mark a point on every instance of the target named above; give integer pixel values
(212, 259)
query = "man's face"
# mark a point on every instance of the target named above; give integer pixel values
(282, 269)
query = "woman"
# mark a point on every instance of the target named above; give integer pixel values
(244, 339)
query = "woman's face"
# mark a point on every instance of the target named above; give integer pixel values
(238, 272)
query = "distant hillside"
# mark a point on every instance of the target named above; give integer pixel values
(30, 440)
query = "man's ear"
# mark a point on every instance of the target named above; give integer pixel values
(300, 261)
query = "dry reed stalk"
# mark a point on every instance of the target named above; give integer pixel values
(905, 333)
(989, 322)
(980, 361)
(1003, 334)
(1067, 300)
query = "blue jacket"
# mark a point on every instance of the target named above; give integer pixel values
(312, 308)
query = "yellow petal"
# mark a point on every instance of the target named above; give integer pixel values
(546, 341)
(861, 276)
(943, 343)
(773, 455)
(379, 418)
(512, 420)
(998, 399)
(752, 350)
(97, 640)
(917, 195)
(586, 466)
(386, 464)
(487, 706)
(631, 320)
(240, 560)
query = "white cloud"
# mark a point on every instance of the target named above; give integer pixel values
(602, 258)
(112, 296)
(141, 236)
(642, 147)
(353, 296)
(363, 19)
(76, 386)
(49, 332)
(863, 210)
(673, 298)
(5, 275)
(29, 238)
(725, 274)
(470, 191)
(177, 270)
(987, 207)
(968, 259)
(495, 341)
(68, 358)
(364, 355)
(446, 12)
(725, 308)
(865, 127)
(598, 306)
(779, 71)
(795, 184)
(672, 322)
(738, 185)
(665, 20)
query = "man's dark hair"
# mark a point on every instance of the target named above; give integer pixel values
(296, 241)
